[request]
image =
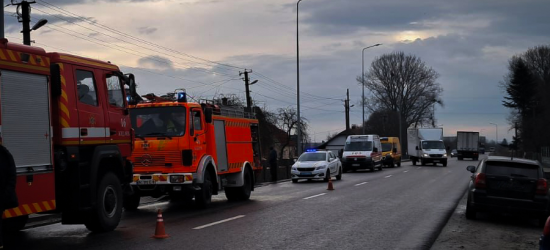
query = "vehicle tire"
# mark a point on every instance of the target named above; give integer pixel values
(399, 163)
(444, 164)
(15, 224)
(414, 162)
(339, 175)
(470, 211)
(422, 162)
(131, 202)
(241, 193)
(542, 220)
(109, 201)
(460, 158)
(327, 176)
(294, 180)
(203, 197)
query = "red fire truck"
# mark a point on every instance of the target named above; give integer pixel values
(188, 150)
(65, 121)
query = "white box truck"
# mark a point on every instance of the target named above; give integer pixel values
(425, 145)
(467, 145)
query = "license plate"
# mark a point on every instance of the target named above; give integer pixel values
(305, 173)
(145, 182)
(356, 165)
(436, 160)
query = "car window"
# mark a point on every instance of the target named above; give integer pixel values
(511, 169)
(313, 157)
(386, 147)
(358, 146)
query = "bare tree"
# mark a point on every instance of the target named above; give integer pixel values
(527, 85)
(287, 119)
(403, 83)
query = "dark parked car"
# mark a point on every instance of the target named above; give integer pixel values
(454, 153)
(503, 184)
(544, 241)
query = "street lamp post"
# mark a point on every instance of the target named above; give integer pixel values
(363, 81)
(496, 132)
(298, 125)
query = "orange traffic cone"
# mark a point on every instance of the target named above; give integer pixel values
(330, 187)
(159, 231)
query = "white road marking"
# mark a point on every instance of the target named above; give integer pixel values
(418, 167)
(154, 204)
(405, 171)
(317, 195)
(219, 222)
(362, 183)
(388, 176)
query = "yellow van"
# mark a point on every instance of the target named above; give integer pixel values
(391, 151)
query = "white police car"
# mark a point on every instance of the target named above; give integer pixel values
(314, 164)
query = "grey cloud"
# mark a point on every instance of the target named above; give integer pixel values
(328, 17)
(147, 30)
(156, 62)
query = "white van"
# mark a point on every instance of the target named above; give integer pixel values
(362, 152)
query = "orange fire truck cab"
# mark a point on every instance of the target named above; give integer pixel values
(190, 150)
(64, 119)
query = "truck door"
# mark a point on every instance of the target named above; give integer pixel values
(197, 135)
(91, 118)
(26, 133)
(119, 123)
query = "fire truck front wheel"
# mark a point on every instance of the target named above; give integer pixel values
(203, 197)
(108, 210)
(241, 193)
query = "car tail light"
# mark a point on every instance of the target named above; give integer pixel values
(480, 181)
(542, 186)
(546, 231)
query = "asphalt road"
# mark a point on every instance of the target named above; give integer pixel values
(397, 208)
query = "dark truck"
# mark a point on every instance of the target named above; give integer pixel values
(467, 145)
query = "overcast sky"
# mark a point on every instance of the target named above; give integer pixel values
(201, 45)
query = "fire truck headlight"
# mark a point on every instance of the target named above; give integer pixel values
(177, 179)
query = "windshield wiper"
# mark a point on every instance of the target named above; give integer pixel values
(159, 134)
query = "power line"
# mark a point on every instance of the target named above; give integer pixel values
(61, 10)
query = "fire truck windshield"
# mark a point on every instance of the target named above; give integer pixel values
(159, 121)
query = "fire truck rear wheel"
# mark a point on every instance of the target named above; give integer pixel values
(241, 193)
(203, 197)
(106, 215)
(15, 224)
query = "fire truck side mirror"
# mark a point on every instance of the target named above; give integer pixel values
(208, 115)
(55, 80)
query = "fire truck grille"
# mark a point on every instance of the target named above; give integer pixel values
(158, 159)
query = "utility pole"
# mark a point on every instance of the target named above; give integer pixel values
(346, 106)
(25, 18)
(246, 84)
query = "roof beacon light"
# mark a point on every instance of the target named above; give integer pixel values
(181, 96)
(311, 150)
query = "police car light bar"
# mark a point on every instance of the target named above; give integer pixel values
(311, 150)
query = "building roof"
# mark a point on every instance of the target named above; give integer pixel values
(353, 131)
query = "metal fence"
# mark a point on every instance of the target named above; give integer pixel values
(283, 171)
(543, 156)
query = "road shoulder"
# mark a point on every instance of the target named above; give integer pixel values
(489, 231)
